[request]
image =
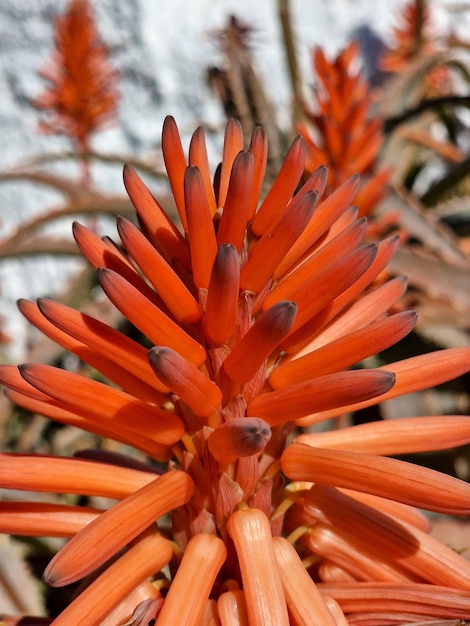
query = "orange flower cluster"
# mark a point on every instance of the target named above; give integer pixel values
(342, 134)
(412, 39)
(255, 313)
(81, 96)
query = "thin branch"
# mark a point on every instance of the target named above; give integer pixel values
(289, 45)
(430, 103)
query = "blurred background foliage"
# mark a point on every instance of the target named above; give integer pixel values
(398, 116)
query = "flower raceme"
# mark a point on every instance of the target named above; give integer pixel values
(258, 314)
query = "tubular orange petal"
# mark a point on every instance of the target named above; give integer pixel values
(181, 303)
(336, 612)
(198, 156)
(201, 235)
(113, 370)
(202, 559)
(159, 227)
(104, 402)
(38, 519)
(184, 379)
(346, 351)
(365, 311)
(58, 412)
(222, 296)
(210, 616)
(388, 537)
(175, 164)
(326, 213)
(415, 374)
(344, 243)
(403, 512)
(291, 403)
(331, 283)
(333, 138)
(233, 144)
(100, 253)
(234, 218)
(239, 437)
(148, 555)
(381, 476)
(259, 149)
(414, 599)
(385, 251)
(300, 338)
(68, 475)
(399, 436)
(268, 251)
(143, 602)
(254, 348)
(277, 199)
(117, 526)
(372, 191)
(265, 600)
(231, 606)
(340, 548)
(316, 181)
(157, 326)
(103, 339)
(331, 572)
(305, 602)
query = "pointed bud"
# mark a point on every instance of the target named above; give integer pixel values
(222, 296)
(276, 203)
(232, 225)
(268, 252)
(233, 144)
(239, 437)
(331, 390)
(201, 234)
(260, 341)
(185, 380)
(175, 164)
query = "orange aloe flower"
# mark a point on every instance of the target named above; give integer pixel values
(255, 313)
(81, 95)
(342, 131)
(413, 38)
